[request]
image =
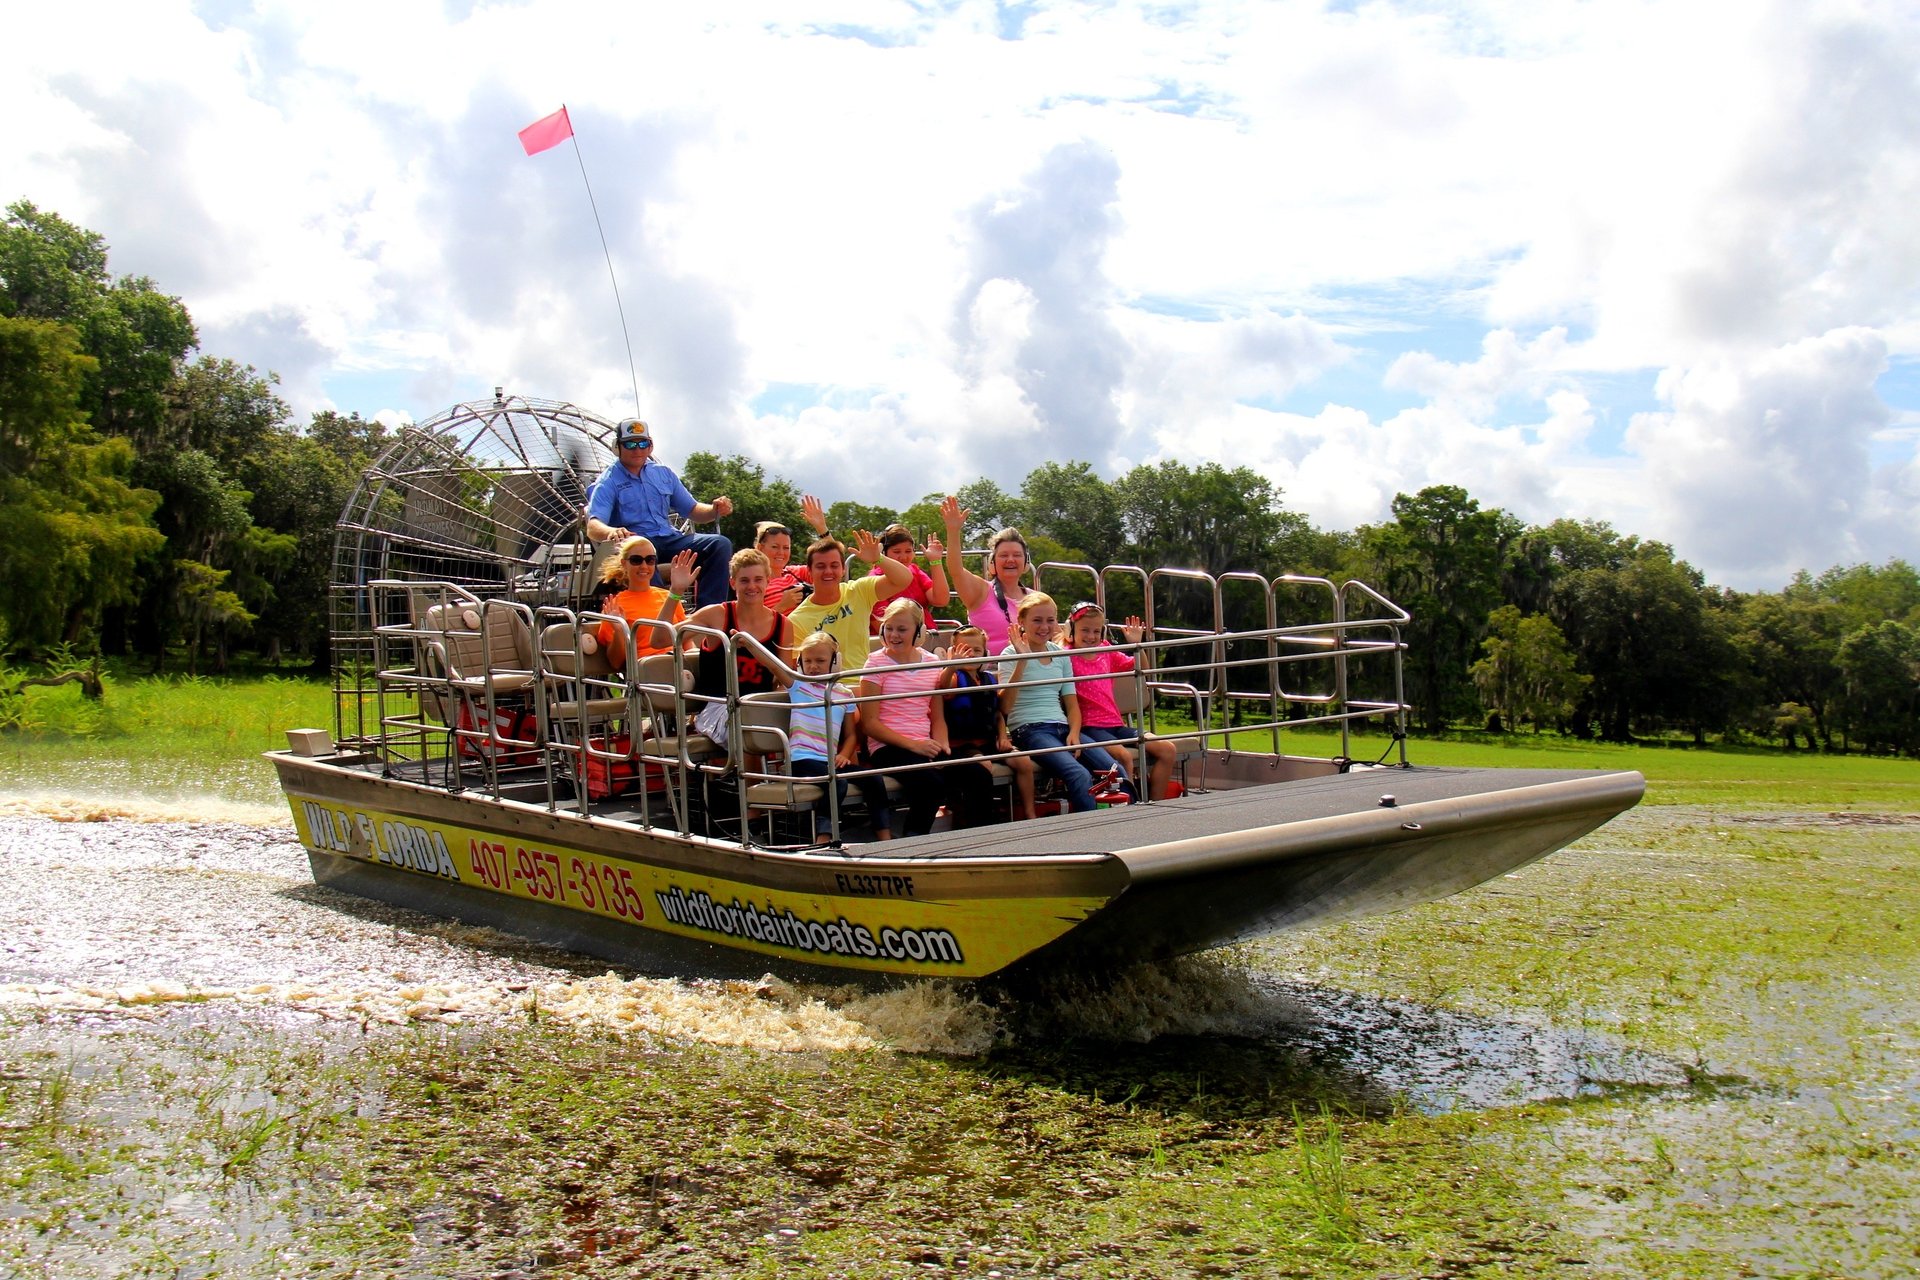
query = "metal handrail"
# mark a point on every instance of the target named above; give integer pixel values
(1174, 660)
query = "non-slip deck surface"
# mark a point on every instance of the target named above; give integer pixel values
(1218, 812)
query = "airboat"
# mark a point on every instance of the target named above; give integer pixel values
(487, 763)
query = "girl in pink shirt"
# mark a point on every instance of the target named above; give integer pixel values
(1100, 718)
(913, 730)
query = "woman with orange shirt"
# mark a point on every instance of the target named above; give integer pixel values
(642, 604)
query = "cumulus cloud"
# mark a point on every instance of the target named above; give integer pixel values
(1114, 233)
(1759, 466)
(1506, 366)
(1049, 238)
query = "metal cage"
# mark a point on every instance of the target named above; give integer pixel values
(487, 496)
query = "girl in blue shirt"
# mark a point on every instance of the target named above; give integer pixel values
(1043, 714)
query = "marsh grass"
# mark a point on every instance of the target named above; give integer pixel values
(1762, 940)
(176, 734)
(1743, 776)
(163, 1147)
(1775, 959)
(1322, 1164)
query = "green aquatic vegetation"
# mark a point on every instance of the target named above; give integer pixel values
(1763, 962)
(156, 734)
(1322, 1165)
(1774, 958)
(597, 1160)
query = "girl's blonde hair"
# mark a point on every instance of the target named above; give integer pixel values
(1031, 601)
(1085, 609)
(819, 640)
(616, 566)
(903, 605)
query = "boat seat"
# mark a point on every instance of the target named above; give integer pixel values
(487, 647)
(583, 702)
(579, 681)
(487, 652)
(660, 675)
(763, 732)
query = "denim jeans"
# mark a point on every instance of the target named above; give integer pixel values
(822, 817)
(1100, 760)
(1051, 740)
(712, 551)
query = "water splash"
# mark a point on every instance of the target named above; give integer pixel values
(768, 1014)
(77, 806)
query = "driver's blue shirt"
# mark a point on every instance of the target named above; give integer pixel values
(642, 503)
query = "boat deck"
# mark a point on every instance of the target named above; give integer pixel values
(1222, 813)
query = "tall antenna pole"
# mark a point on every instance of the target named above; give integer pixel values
(537, 137)
(617, 304)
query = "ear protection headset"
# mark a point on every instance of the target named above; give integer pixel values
(833, 663)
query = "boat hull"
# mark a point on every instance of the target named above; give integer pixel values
(666, 902)
(1084, 891)
(1216, 890)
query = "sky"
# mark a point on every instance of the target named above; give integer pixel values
(1656, 264)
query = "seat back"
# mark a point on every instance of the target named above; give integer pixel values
(659, 674)
(763, 723)
(481, 639)
(560, 656)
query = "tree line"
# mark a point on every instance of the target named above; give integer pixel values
(161, 504)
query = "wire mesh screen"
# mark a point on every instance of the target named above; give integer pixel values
(487, 496)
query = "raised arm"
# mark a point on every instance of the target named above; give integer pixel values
(938, 594)
(972, 587)
(683, 575)
(897, 576)
(1132, 631)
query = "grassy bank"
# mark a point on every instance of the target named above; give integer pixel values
(1712, 775)
(162, 735)
(208, 733)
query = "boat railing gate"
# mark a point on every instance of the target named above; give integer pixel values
(1298, 616)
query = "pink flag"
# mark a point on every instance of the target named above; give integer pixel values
(547, 131)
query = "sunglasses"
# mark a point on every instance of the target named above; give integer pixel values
(774, 531)
(1082, 609)
(637, 442)
(643, 559)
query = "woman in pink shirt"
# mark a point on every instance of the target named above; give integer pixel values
(991, 601)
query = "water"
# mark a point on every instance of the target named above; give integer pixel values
(1782, 1146)
(128, 906)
